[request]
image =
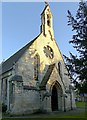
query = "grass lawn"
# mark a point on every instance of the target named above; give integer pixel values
(82, 115)
(80, 104)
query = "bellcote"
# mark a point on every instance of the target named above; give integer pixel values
(47, 21)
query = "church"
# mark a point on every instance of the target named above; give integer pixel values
(36, 78)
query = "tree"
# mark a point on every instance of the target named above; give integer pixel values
(77, 64)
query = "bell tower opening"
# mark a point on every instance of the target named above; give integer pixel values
(48, 20)
(48, 23)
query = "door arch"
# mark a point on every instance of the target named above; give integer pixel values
(56, 98)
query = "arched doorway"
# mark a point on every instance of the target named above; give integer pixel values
(54, 99)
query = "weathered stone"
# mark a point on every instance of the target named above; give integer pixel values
(49, 89)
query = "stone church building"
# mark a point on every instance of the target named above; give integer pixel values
(35, 78)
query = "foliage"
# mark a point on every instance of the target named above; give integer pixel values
(77, 65)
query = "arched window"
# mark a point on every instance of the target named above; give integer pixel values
(48, 22)
(48, 16)
(36, 66)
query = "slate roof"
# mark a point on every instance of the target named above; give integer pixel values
(8, 64)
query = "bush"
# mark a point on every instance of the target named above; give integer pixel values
(4, 107)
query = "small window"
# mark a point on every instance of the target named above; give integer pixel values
(48, 22)
(36, 66)
(48, 17)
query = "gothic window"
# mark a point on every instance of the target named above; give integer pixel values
(36, 66)
(48, 10)
(48, 16)
(48, 22)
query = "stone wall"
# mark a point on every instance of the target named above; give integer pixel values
(30, 100)
(5, 88)
(26, 99)
(26, 103)
(25, 65)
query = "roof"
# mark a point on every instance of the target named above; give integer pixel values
(8, 64)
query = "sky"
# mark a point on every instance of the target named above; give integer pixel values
(21, 23)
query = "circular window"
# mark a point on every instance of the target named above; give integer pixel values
(48, 52)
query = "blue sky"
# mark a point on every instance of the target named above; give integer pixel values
(21, 24)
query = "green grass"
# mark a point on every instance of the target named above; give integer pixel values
(80, 104)
(82, 115)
